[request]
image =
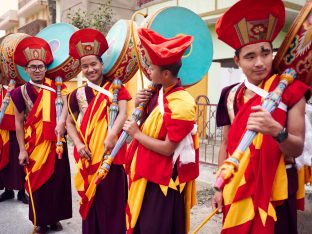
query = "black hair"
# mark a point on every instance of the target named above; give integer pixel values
(238, 51)
(174, 68)
(98, 57)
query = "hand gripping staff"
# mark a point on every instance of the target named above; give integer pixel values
(6, 99)
(109, 158)
(59, 105)
(270, 103)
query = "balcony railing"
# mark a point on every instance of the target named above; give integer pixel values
(141, 2)
(23, 3)
(33, 27)
(12, 14)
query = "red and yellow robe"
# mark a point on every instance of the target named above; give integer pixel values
(261, 181)
(40, 138)
(146, 165)
(94, 128)
(7, 124)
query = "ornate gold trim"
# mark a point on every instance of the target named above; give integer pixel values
(305, 11)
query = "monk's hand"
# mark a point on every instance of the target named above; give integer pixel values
(109, 143)
(23, 158)
(83, 151)
(262, 121)
(131, 127)
(142, 95)
(216, 201)
(60, 128)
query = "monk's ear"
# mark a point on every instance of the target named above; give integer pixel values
(236, 60)
(167, 73)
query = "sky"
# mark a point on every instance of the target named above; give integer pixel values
(6, 5)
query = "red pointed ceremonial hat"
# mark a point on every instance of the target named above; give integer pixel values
(32, 48)
(164, 51)
(250, 22)
(87, 41)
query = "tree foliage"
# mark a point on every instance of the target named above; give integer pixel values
(100, 19)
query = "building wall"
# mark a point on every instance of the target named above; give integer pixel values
(208, 10)
(121, 9)
(36, 17)
(11, 30)
(43, 15)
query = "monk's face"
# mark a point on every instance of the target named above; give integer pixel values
(36, 70)
(92, 68)
(256, 61)
(156, 74)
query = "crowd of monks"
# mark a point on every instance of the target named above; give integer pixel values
(149, 184)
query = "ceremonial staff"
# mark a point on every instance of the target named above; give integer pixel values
(136, 44)
(205, 221)
(6, 99)
(59, 105)
(31, 199)
(270, 103)
(230, 165)
(114, 108)
(109, 158)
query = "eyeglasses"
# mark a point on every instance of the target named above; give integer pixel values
(34, 68)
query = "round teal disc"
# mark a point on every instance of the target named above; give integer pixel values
(58, 35)
(173, 21)
(116, 38)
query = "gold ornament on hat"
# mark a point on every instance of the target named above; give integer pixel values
(256, 30)
(32, 54)
(88, 48)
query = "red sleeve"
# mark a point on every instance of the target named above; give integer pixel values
(294, 93)
(179, 115)
(124, 94)
(177, 129)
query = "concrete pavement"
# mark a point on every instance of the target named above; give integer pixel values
(14, 214)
